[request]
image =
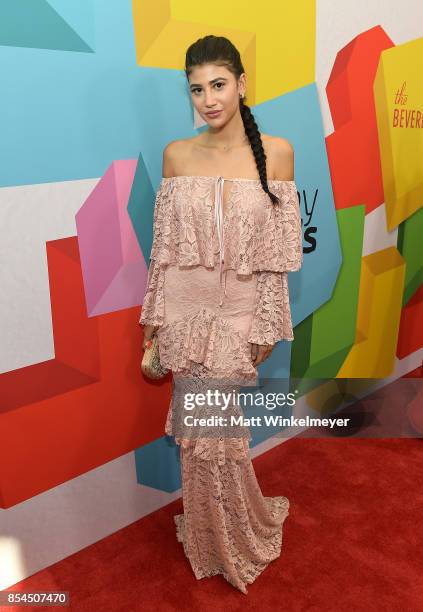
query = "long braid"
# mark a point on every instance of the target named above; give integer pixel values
(254, 136)
(220, 50)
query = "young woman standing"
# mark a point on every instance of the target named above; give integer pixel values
(227, 230)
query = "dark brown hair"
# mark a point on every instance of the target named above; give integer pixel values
(220, 51)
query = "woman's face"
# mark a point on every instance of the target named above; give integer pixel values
(215, 88)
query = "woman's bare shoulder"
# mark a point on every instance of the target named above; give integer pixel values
(277, 143)
(175, 154)
(280, 157)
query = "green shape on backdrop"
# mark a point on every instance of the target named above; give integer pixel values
(409, 244)
(328, 334)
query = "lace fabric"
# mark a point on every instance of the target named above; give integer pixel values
(206, 337)
(228, 527)
(153, 305)
(272, 312)
(195, 334)
(259, 235)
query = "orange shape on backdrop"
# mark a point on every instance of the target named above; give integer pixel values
(353, 147)
(88, 405)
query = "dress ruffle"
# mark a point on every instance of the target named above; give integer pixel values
(205, 337)
(260, 235)
(271, 320)
(219, 450)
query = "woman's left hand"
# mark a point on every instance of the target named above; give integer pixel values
(260, 352)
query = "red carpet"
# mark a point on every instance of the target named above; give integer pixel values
(352, 541)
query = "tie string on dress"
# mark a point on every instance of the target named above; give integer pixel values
(219, 220)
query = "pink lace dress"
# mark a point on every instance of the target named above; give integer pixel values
(217, 282)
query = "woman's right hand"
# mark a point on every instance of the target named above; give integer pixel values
(149, 331)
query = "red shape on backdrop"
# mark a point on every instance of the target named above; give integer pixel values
(410, 335)
(353, 147)
(88, 405)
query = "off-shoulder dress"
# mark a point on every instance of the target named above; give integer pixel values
(217, 282)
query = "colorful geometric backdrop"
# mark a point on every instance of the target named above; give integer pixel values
(92, 91)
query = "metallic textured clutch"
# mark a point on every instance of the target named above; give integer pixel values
(150, 364)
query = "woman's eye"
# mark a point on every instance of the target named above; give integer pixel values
(197, 90)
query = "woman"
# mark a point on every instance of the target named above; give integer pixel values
(217, 298)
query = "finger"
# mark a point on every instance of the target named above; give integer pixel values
(268, 353)
(260, 355)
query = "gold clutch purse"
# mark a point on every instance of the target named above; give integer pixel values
(150, 363)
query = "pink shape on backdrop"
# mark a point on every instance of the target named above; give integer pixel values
(113, 266)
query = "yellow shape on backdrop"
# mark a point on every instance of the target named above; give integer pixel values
(330, 396)
(378, 316)
(276, 40)
(398, 92)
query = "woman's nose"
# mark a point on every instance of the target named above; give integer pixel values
(209, 98)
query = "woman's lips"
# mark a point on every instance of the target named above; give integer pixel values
(213, 114)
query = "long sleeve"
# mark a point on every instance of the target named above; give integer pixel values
(290, 226)
(272, 313)
(152, 312)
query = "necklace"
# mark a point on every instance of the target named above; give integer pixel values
(227, 147)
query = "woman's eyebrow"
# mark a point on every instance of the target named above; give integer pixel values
(211, 82)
